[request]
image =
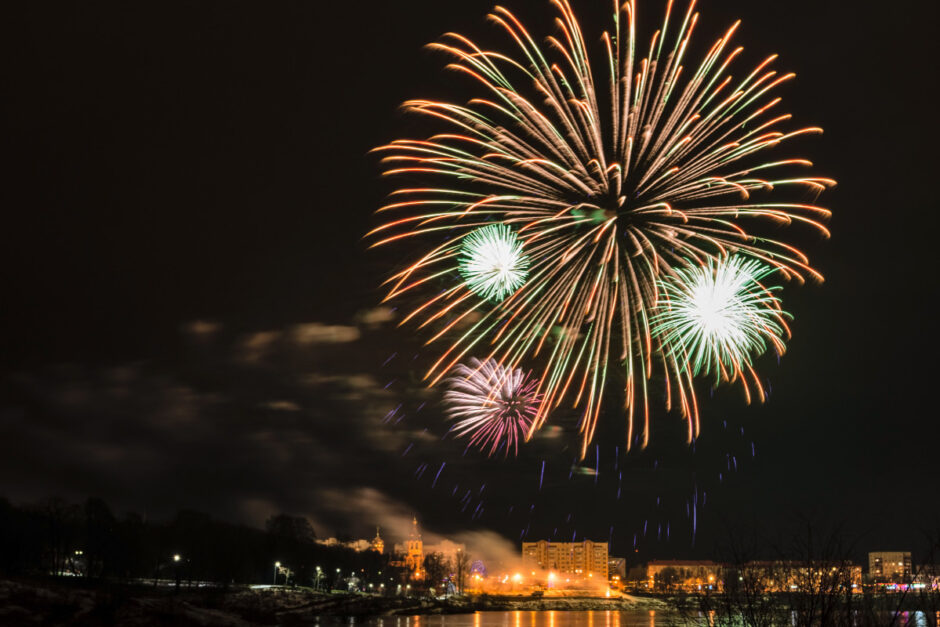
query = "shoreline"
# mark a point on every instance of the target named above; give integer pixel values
(39, 601)
(572, 604)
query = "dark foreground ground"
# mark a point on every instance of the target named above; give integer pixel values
(81, 603)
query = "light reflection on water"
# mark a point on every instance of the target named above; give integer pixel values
(556, 618)
(525, 618)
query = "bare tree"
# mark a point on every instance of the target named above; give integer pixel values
(745, 597)
(666, 579)
(808, 581)
(819, 581)
(461, 569)
(99, 538)
(436, 568)
(61, 522)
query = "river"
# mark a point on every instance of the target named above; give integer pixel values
(558, 618)
(522, 618)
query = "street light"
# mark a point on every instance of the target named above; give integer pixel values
(277, 566)
(176, 568)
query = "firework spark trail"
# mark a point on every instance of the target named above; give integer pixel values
(597, 463)
(439, 470)
(391, 414)
(605, 202)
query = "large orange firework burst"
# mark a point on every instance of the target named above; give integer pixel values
(614, 172)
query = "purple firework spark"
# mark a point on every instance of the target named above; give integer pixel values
(491, 404)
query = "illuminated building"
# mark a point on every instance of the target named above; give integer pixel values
(683, 574)
(812, 576)
(584, 559)
(359, 546)
(927, 576)
(378, 544)
(889, 566)
(412, 552)
(617, 567)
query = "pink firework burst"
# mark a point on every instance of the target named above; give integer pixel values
(492, 404)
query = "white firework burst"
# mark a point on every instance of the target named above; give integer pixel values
(717, 316)
(492, 262)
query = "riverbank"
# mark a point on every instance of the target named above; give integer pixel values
(573, 604)
(91, 604)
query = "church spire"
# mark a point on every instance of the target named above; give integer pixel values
(378, 544)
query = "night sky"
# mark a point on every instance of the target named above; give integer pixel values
(191, 318)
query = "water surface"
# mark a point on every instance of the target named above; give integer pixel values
(529, 618)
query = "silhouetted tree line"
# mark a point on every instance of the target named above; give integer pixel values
(55, 537)
(807, 578)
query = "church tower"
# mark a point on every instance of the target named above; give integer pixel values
(378, 544)
(414, 557)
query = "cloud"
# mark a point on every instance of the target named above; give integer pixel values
(362, 382)
(249, 425)
(254, 347)
(261, 346)
(395, 519)
(375, 317)
(368, 504)
(316, 333)
(332, 422)
(201, 329)
(495, 550)
(281, 406)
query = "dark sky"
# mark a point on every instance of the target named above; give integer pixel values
(190, 316)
